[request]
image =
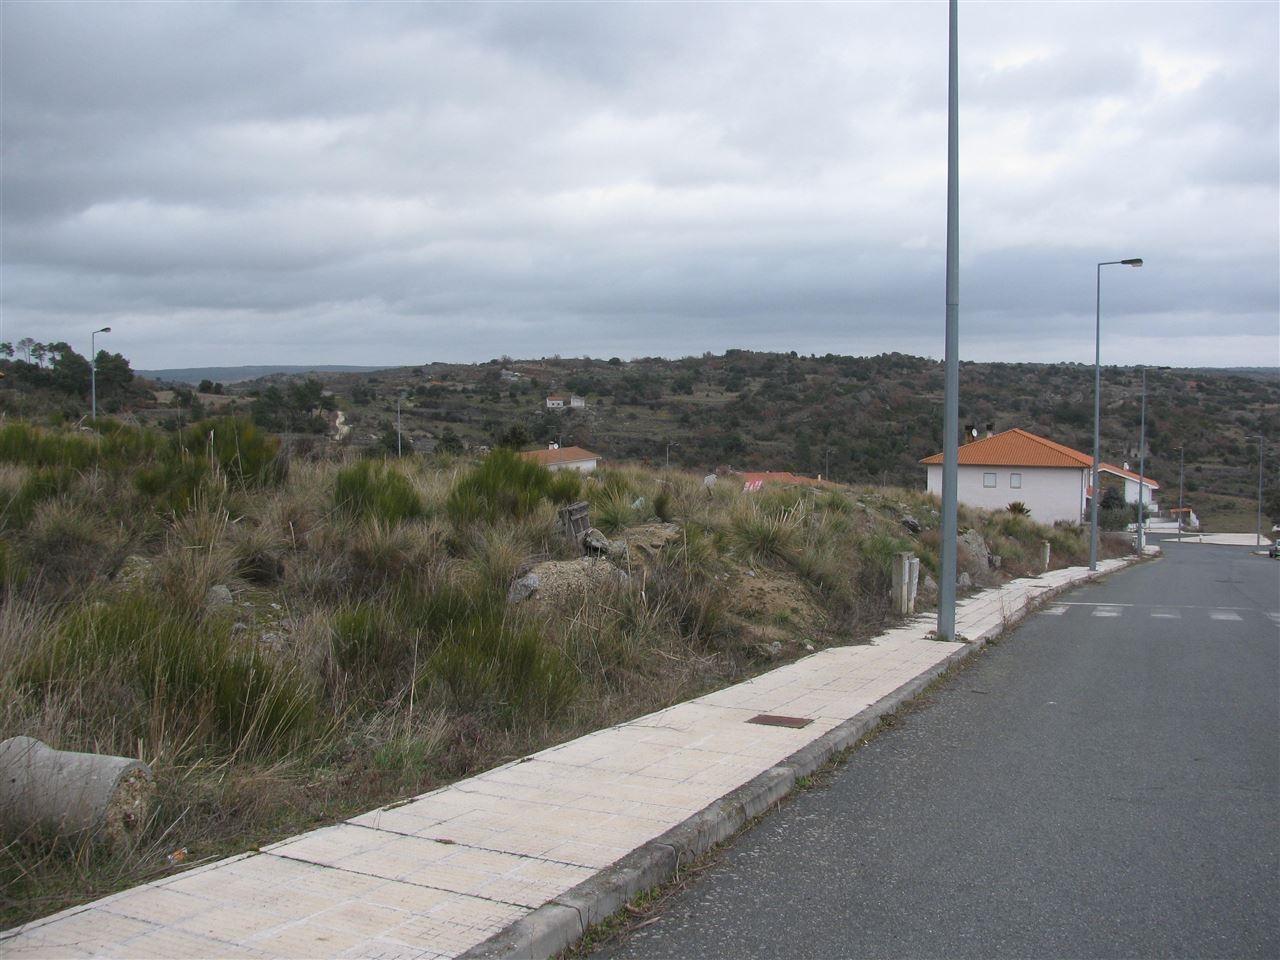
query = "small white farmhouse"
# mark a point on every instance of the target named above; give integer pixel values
(556, 457)
(1131, 484)
(559, 402)
(1051, 479)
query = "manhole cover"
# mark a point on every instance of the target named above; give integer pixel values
(773, 720)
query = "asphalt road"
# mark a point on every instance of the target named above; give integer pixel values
(1102, 783)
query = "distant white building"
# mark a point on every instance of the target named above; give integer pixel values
(556, 457)
(558, 402)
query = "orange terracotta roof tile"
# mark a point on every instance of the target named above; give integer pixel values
(753, 479)
(560, 455)
(1128, 474)
(1017, 448)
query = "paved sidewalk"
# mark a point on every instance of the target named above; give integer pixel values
(517, 860)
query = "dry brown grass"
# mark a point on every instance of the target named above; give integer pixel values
(392, 632)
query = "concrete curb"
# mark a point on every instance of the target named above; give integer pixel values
(561, 922)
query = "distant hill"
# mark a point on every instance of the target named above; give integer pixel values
(862, 419)
(240, 374)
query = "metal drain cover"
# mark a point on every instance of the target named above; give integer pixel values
(773, 720)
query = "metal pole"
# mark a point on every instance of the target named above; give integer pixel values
(1097, 406)
(1097, 418)
(93, 375)
(399, 449)
(951, 401)
(1259, 530)
(1142, 466)
(1181, 454)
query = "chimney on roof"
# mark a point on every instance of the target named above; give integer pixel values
(970, 433)
(991, 430)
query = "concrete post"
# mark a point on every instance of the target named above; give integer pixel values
(1044, 555)
(902, 583)
(915, 584)
(71, 794)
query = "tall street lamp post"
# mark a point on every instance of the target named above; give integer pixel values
(951, 400)
(1261, 440)
(1142, 468)
(93, 371)
(1094, 496)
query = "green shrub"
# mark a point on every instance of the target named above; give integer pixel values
(238, 449)
(189, 674)
(32, 446)
(759, 535)
(612, 511)
(505, 485)
(373, 490)
(369, 644)
(662, 505)
(491, 666)
(877, 552)
(41, 485)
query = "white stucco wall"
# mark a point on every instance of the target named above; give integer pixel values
(582, 466)
(1148, 495)
(1051, 493)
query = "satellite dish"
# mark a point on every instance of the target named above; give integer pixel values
(973, 432)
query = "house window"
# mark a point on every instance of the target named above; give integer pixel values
(1015, 481)
(988, 479)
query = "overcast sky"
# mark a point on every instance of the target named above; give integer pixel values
(400, 183)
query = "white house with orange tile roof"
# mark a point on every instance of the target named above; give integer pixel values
(556, 457)
(1050, 478)
(1131, 484)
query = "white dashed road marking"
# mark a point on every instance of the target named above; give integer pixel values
(1165, 613)
(1057, 611)
(1107, 611)
(1224, 615)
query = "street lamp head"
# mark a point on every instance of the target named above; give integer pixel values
(103, 330)
(1135, 262)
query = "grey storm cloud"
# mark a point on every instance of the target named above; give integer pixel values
(382, 183)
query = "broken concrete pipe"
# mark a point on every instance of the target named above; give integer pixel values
(71, 795)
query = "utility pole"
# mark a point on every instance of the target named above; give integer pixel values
(951, 401)
(670, 444)
(399, 450)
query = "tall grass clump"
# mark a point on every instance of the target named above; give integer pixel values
(35, 447)
(157, 669)
(369, 489)
(759, 535)
(505, 485)
(494, 666)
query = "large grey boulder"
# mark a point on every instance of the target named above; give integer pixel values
(973, 556)
(911, 523)
(523, 588)
(218, 597)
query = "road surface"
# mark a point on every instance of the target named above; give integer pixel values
(1102, 783)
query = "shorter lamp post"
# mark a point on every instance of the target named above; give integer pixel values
(93, 371)
(1258, 531)
(1097, 406)
(670, 444)
(1181, 454)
